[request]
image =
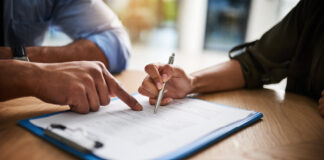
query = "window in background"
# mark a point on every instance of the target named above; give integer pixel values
(226, 23)
(150, 23)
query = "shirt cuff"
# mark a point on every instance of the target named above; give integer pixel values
(115, 51)
(250, 70)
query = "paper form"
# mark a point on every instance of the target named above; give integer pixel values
(128, 134)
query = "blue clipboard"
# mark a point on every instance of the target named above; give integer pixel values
(180, 153)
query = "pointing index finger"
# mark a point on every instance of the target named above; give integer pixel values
(128, 99)
(121, 93)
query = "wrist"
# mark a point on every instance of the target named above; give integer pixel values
(31, 76)
(193, 84)
(35, 54)
(17, 79)
(5, 53)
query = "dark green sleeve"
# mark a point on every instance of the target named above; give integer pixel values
(267, 60)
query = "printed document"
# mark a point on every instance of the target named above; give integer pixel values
(128, 134)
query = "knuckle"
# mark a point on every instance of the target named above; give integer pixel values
(168, 66)
(145, 82)
(95, 71)
(147, 85)
(78, 89)
(88, 80)
(156, 79)
(146, 79)
(101, 64)
(140, 90)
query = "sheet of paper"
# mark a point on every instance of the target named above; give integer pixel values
(128, 134)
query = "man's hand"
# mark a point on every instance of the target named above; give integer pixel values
(82, 85)
(179, 83)
(321, 104)
(75, 51)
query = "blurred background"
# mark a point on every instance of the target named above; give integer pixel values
(200, 32)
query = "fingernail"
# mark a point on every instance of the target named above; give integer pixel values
(138, 107)
(164, 77)
(169, 100)
(159, 85)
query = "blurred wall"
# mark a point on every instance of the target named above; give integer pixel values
(263, 15)
(191, 25)
(266, 13)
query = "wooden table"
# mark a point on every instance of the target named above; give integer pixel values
(290, 129)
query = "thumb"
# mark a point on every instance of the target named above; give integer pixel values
(166, 71)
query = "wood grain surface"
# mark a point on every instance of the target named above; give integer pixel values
(290, 129)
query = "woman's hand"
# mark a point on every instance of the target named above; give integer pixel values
(179, 84)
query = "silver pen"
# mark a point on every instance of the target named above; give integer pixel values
(171, 60)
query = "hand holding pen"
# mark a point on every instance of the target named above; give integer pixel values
(178, 86)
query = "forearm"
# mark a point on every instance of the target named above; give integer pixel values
(225, 76)
(77, 51)
(15, 79)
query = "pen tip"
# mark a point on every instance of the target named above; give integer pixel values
(155, 110)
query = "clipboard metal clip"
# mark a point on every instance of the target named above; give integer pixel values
(75, 138)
